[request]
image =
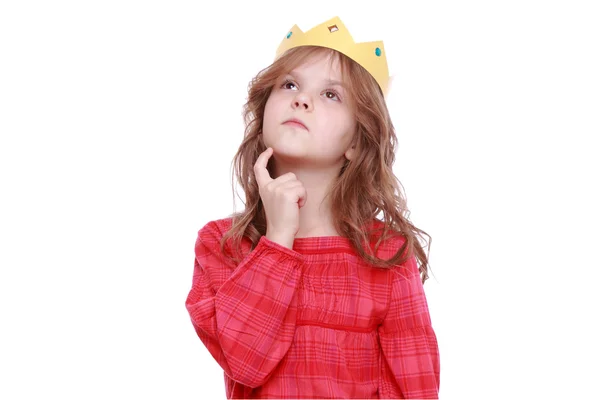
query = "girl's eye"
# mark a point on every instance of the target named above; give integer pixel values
(335, 95)
(286, 83)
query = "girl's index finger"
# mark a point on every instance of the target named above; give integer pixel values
(260, 167)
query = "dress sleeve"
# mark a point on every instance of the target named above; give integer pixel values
(244, 315)
(410, 363)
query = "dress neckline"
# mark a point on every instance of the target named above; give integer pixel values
(315, 244)
(322, 244)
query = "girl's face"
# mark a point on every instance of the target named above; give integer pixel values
(312, 93)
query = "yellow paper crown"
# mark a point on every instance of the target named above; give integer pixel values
(334, 35)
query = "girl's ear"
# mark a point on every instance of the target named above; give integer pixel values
(350, 153)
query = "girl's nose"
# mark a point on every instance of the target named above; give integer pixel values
(302, 101)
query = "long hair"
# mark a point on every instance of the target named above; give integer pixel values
(365, 187)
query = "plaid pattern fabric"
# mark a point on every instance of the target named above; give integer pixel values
(312, 322)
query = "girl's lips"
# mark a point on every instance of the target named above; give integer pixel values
(295, 123)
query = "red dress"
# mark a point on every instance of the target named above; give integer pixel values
(313, 322)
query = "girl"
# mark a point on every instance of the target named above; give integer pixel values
(306, 294)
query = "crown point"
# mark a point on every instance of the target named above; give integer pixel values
(288, 35)
(378, 52)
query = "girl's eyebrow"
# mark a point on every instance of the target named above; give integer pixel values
(326, 81)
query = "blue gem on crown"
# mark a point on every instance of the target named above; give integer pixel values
(288, 35)
(378, 52)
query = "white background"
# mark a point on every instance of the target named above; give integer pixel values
(118, 123)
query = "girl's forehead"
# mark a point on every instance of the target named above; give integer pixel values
(320, 60)
(320, 65)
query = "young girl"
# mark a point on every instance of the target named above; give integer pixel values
(306, 294)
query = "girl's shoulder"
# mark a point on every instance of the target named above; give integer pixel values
(217, 226)
(393, 239)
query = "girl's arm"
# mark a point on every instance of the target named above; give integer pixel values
(410, 364)
(244, 315)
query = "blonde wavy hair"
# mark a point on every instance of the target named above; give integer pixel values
(365, 187)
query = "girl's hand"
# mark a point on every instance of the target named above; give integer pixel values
(282, 198)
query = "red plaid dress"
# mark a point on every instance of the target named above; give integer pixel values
(313, 322)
